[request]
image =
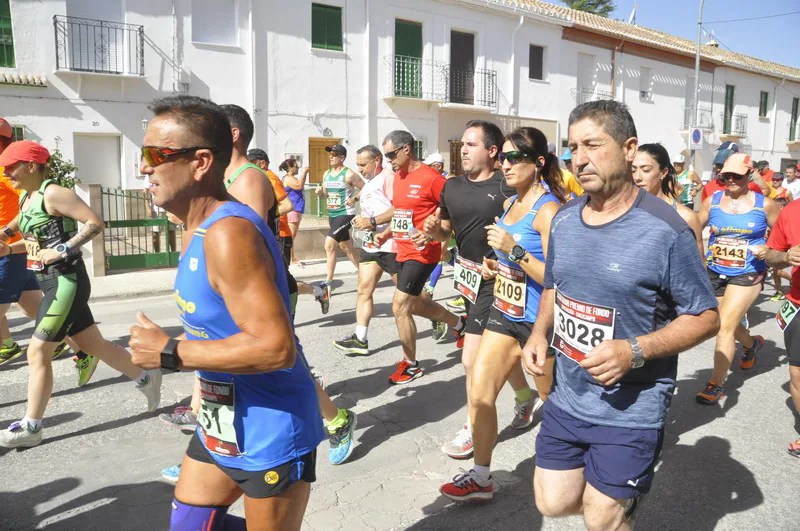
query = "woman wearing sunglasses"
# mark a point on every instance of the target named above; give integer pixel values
(738, 219)
(653, 171)
(520, 240)
(48, 222)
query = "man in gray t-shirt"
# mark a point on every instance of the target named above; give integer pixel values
(625, 292)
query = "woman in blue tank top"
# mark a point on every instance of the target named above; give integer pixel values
(519, 239)
(738, 220)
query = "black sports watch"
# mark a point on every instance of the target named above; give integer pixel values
(8, 232)
(516, 254)
(169, 356)
(372, 220)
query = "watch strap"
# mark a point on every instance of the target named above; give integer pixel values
(8, 232)
(169, 356)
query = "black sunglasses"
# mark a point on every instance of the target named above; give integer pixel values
(734, 176)
(513, 157)
(393, 154)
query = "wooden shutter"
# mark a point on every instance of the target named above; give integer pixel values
(536, 62)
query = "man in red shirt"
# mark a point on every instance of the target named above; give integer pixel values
(763, 169)
(417, 189)
(716, 183)
(784, 251)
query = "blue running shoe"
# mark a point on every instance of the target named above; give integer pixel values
(342, 441)
(172, 473)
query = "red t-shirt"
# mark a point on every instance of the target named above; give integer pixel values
(715, 185)
(786, 234)
(9, 203)
(768, 176)
(416, 194)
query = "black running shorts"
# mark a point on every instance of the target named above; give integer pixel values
(340, 228)
(720, 282)
(64, 309)
(386, 261)
(412, 276)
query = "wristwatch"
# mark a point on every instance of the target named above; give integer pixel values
(62, 249)
(8, 231)
(638, 356)
(516, 254)
(373, 222)
(169, 356)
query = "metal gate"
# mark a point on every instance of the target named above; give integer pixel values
(138, 235)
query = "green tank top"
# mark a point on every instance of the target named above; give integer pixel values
(41, 230)
(273, 221)
(687, 184)
(338, 192)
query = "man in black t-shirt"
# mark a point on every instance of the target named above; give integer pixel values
(470, 203)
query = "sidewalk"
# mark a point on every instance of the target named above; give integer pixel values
(154, 282)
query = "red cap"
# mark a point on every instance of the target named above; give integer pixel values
(24, 151)
(5, 128)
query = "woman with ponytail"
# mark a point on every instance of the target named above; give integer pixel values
(653, 171)
(519, 238)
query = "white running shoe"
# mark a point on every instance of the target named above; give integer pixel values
(151, 388)
(523, 412)
(461, 445)
(19, 436)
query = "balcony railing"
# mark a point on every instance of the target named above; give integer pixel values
(734, 125)
(6, 43)
(88, 45)
(794, 132)
(705, 118)
(473, 87)
(411, 77)
(582, 95)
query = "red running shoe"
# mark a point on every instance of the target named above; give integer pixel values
(406, 371)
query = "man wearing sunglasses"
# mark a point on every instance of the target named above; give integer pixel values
(417, 193)
(259, 421)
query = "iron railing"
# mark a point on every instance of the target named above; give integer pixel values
(705, 118)
(734, 124)
(6, 43)
(473, 87)
(88, 45)
(137, 234)
(412, 77)
(794, 132)
(583, 95)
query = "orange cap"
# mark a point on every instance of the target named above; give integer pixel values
(738, 163)
(5, 128)
(24, 151)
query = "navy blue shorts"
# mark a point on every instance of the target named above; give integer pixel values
(15, 278)
(618, 462)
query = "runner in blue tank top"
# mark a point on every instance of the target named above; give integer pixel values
(519, 239)
(259, 421)
(738, 220)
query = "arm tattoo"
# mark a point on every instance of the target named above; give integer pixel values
(89, 231)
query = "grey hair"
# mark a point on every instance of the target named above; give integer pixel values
(373, 151)
(400, 138)
(612, 116)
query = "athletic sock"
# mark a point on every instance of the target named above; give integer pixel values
(361, 333)
(8, 342)
(32, 425)
(434, 278)
(524, 395)
(143, 378)
(460, 325)
(482, 474)
(338, 421)
(317, 290)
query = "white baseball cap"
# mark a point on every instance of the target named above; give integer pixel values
(680, 159)
(434, 158)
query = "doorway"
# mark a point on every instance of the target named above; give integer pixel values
(462, 67)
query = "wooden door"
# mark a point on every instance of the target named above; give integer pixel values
(462, 67)
(455, 158)
(318, 157)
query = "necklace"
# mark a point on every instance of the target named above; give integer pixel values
(735, 203)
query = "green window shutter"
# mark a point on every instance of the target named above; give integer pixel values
(6, 36)
(318, 20)
(763, 104)
(326, 27)
(728, 116)
(408, 39)
(334, 29)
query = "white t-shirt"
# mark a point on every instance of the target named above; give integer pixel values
(793, 187)
(376, 198)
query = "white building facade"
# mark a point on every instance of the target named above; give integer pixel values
(79, 74)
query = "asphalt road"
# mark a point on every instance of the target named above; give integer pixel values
(99, 466)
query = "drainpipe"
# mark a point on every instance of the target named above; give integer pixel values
(616, 49)
(513, 66)
(253, 72)
(775, 115)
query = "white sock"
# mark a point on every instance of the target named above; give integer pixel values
(482, 474)
(460, 325)
(32, 425)
(361, 332)
(142, 378)
(317, 290)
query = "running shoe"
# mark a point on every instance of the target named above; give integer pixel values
(10, 353)
(171, 473)
(461, 445)
(711, 395)
(745, 322)
(324, 300)
(465, 487)
(151, 388)
(405, 373)
(748, 358)
(318, 378)
(458, 304)
(429, 289)
(342, 440)
(439, 330)
(794, 448)
(460, 334)
(523, 413)
(352, 345)
(19, 436)
(778, 296)
(85, 366)
(60, 349)
(182, 418)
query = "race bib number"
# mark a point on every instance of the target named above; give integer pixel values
(335, 200)
(216, 417)
(34, 253)
(729, 252)
(369, 239)
(579, 327)
(402, 221)
(788, 311)
(510, 290)
(467, 278)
